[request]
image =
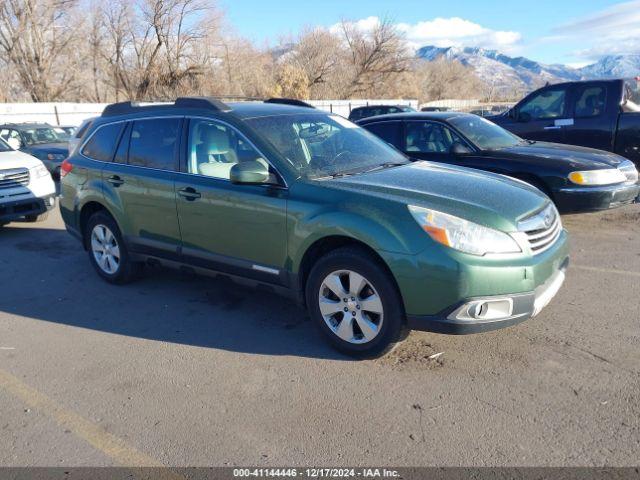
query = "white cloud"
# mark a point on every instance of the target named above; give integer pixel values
(448, 32)
(616, 30)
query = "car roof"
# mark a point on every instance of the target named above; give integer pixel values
(386, 105)
(439, 116)
(246, 110)
(241, 110)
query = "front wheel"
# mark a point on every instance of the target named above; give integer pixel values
(107, 252)
(355, 303)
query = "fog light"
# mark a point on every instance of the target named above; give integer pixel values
(491, 309)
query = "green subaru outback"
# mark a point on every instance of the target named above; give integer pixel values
(280, 194)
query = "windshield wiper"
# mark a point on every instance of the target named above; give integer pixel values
(385, 165)
(333, 175)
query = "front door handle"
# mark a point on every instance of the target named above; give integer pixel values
(189, 194)
(115, 180)
(553, 127)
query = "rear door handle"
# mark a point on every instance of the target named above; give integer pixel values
(115, 180)
(553, 127)
(189, 194)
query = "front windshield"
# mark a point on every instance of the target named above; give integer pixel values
(37, 135)
(322, 145)
(484, 134)
(4, 146)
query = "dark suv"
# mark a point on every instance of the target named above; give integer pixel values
(373, 110)
(309, 204)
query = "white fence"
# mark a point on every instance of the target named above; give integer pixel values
(52, 113)
(453, 103)
(75, 113)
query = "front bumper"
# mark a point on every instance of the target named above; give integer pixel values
(458, 320)
(587, 199)
(15, 209)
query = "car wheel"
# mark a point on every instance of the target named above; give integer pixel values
(355, 303)
(107, 251)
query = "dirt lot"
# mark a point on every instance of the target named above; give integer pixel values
(181, 370)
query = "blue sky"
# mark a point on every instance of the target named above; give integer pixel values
(551, 31)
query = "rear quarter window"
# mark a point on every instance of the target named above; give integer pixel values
(103, 142)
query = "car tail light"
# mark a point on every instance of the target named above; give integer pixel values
(65, 168)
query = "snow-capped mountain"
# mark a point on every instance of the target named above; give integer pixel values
(513, 74)
(613, 66)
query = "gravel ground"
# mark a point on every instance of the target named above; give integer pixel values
(181, 370)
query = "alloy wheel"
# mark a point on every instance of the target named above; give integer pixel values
(351, 306)
(105, 249)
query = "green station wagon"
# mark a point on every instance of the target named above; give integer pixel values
(280, 194)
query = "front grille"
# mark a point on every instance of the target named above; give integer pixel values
(17, 177)
(630, 172)
(542, 229)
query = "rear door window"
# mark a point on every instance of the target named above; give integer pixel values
(390, 132)
(103, 142)
(591, 101)
(154, 143)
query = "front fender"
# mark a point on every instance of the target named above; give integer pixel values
(372, 227)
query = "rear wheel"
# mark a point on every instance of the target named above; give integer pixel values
(107, 252)
(355, 303)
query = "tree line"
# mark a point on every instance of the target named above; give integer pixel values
(78, 51)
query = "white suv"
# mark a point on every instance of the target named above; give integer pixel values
(26, 187)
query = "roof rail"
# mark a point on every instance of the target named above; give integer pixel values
(289, 101)
(205, 103)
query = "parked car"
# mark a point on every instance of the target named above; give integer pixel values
(69, 130)
(577, 179)
(602, 114)
(79, 132)
(46, 143)
(26, 188)
(309, 204)
(435, 109)
(372, 110)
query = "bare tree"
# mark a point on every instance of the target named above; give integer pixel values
(444, 78)
(34, 38)
(317, 53)
(372, 56)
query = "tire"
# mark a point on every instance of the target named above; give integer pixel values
(374, 309)
(103, 235)
(37, 218)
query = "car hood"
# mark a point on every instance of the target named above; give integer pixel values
(489, 199)
(16, 159)
(48, 148)
(573, 156)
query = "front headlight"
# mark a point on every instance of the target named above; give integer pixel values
(462, 234)
(607, 176)
(39, 171)
(56, 157)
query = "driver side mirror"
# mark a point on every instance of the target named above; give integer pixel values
(14, 143)
(250, 173)
(458, 148)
